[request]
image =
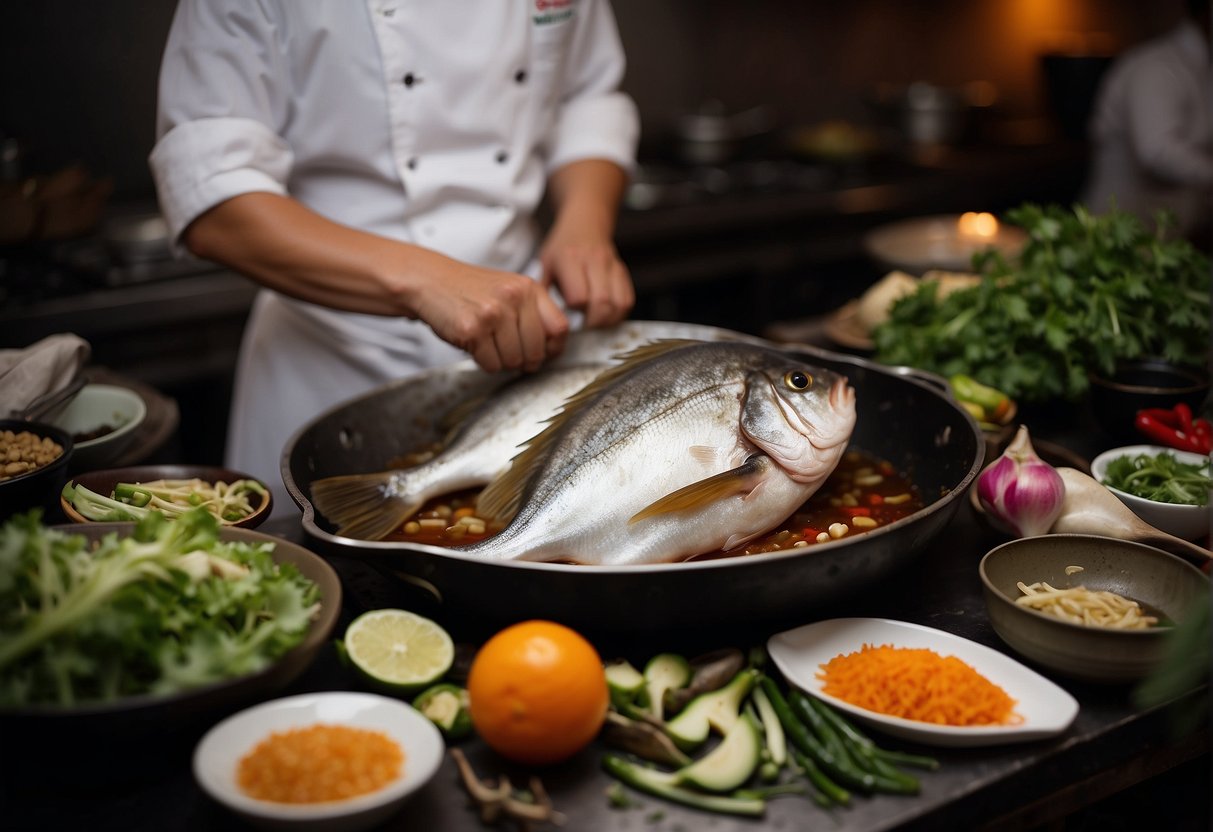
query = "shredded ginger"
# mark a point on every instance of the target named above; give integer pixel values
(918, 684)
(319, 763)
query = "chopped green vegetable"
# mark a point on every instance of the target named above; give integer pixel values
(168, 608)
(1085, 291)
(446, 706)
(230, 502)
(1160, 477)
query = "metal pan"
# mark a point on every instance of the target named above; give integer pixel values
(904, 416)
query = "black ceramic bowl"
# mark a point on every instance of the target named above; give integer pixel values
(1136, 385)
(38, 488)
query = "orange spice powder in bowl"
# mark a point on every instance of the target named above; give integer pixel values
(337, 761)
(917, 684)
(319, 763)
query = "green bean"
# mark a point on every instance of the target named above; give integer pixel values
(834, 792)
(802, 707)
(916, 760)
(837, 767)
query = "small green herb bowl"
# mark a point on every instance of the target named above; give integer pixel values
(103, 482)
(1190, 522)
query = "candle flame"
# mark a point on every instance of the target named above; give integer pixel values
(973, 224)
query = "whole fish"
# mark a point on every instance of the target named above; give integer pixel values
(478, 448)
(685, 448)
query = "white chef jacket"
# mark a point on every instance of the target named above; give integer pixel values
(434, 123)
(1152, 131)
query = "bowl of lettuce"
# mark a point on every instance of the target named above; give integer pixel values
(112, 631)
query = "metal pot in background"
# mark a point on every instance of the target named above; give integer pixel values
(710, 136)
(923, 114)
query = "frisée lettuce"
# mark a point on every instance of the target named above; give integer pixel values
(168, 608)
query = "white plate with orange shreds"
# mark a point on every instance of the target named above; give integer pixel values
(899, 670)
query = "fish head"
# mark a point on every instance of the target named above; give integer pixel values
(800, 415)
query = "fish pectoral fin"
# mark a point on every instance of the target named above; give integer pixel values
(743, 480)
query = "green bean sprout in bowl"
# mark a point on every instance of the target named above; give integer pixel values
(127, 494)
(1168, 489)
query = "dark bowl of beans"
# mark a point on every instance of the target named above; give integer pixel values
(33, 467)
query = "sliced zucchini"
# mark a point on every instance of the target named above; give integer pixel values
(624, 682)
(665, 671)
(776, 740)
(729, 764)
(661, 784)
(718, 709)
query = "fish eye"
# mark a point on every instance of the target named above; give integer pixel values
(797, 380)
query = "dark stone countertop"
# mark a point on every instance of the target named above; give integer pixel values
(142, 785)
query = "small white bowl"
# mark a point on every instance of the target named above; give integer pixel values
(219, 752)
(1188, 522)
(95, 406)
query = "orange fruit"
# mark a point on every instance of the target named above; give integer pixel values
(537, 692)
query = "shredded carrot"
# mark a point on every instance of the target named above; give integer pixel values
(318, 763)
(918, 684)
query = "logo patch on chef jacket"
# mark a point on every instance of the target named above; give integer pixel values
(548, 12)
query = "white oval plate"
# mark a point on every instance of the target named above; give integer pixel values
(219, 752)
(1046, 709)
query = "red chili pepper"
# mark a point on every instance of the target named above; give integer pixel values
(875, 499)
(1184, 414)
(1161, 414)
(1169, 436)
(1202, 428)
(859, 511)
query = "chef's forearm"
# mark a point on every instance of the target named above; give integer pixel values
(588, 193)
(286, 246)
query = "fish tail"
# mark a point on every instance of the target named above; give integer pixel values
(364, 506)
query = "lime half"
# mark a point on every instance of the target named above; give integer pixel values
(399, 650)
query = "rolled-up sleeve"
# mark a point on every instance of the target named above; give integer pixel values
(595, 120)
(217, 110)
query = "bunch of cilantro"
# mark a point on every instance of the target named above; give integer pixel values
(168, 608)
(1086, 291)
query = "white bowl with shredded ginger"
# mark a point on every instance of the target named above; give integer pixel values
(379, 740)
(1081, 605)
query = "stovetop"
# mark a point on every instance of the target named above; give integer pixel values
(38, 272)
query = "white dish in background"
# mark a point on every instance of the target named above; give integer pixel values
(219, 752)
(919, 244)
(1186, 521)
(1047, 709)
(96, 406)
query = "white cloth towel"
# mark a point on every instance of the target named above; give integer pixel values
(45, 367)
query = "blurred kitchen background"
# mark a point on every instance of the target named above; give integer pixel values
(776, 135)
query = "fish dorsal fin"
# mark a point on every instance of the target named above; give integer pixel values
(502, 497)
(740, 480)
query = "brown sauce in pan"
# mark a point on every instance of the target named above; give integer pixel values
(863, 493)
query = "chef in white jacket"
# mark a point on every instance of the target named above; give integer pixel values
(376, 167)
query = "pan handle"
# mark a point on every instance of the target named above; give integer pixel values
(925, 376)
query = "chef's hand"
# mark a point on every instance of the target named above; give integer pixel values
(578, 256)
(504, 320)
(590, 277)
